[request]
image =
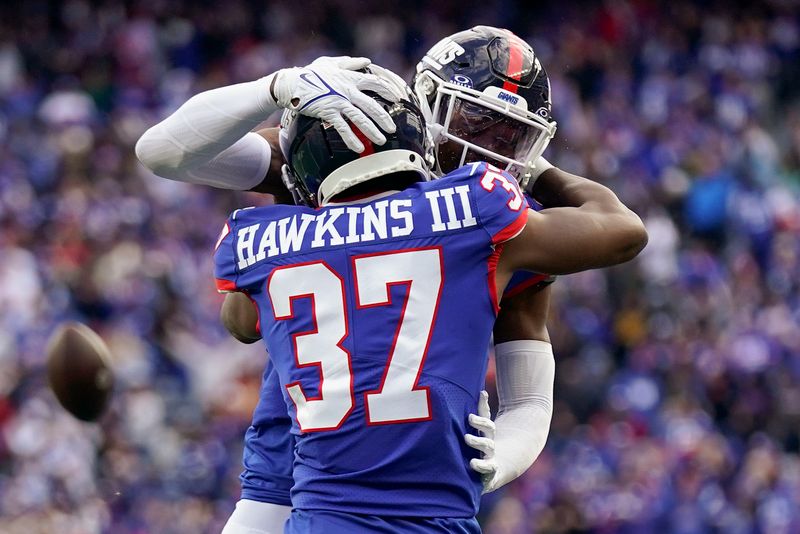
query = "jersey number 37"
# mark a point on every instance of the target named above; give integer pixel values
(398, 399)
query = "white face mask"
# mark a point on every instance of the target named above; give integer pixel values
(494, 124)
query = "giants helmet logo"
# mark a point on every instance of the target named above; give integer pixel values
(508, 97)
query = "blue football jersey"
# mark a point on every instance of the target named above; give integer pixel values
(269, 446)
(377, 316)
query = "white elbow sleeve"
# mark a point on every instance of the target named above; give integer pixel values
(208, 140)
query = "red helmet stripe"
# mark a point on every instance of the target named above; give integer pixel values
(369, 148)
(515, 57)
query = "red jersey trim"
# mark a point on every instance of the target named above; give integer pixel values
(522, 286)
(490, 279)
(226, 286)
(258, 313)
(512, 229)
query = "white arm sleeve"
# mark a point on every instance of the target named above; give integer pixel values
(208, 140)
(525, 374)
(253, 517)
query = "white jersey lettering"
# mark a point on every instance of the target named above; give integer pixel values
(325, 226)
(291, 236)
(244, 246)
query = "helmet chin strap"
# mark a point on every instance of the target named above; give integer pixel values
(300, 197)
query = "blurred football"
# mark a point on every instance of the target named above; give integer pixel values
(79, 370)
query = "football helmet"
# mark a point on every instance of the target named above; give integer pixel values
(320, 166)
(485, 90)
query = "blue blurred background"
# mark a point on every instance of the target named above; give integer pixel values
(678, 375)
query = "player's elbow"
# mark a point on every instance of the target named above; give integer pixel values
(158, 155)
(633, 237)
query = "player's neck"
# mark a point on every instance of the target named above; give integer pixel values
(360, 199)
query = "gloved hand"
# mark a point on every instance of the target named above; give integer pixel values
(487, 466)
(331, 89)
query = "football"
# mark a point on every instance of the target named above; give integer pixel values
(79, 370)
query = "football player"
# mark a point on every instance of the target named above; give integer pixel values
(377, 303)
(502, 84)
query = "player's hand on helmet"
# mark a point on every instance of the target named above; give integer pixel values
(486, 465)
(332, 89)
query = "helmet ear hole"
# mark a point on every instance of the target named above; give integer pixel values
(427, 86)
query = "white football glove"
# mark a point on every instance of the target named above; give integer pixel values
(487, 465)
(330, 89)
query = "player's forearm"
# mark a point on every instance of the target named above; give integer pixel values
(208, 140)
(556, 189)
(616, 224)
(521, 436)
(525, 374)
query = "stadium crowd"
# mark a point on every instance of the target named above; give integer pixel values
(678, 375)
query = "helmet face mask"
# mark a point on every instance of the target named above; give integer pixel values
(486, 97)
(486, 127)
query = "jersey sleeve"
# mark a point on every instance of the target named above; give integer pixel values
(532, 203)
(225, 270)
(501, 207)
(522, 280)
